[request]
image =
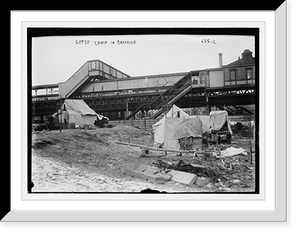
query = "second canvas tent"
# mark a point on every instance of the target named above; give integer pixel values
(176, 124)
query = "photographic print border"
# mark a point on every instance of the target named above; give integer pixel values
(279, 214)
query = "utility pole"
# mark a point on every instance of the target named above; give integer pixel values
(207, 100)
(127, 111)
(144, 117)
(60, 113)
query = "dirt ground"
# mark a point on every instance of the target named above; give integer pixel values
(77, 160)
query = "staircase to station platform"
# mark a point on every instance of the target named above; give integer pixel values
(169, 97)
(93, 69)
(80, 77)
(175, 95)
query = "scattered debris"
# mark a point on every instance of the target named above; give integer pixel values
(222, 172)
(202, 171)
(232, 151)
(236, 181)
(202, 181)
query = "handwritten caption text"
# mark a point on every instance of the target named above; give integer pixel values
(104, 42)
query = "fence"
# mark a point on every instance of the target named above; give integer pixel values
(143, 124)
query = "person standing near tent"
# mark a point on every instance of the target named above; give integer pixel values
(50, 120)
(65, 118)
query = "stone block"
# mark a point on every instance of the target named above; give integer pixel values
(149, 173)
(183, 177)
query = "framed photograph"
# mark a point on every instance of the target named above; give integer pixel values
(135, 113)
(142, 120)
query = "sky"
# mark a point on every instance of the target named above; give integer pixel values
(56, 58)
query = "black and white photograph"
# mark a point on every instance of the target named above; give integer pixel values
(151, 116)
(143, 110)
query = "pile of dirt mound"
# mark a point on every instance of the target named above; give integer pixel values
(130, 134)
(43, 139)
(92, 149)
(126, 130)
(41, 144)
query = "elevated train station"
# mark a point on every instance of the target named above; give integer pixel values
(119, 96)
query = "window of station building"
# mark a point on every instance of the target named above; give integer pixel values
(249, 73)
(231, 79)
(227, 75)
(202, 78)
(232, 75)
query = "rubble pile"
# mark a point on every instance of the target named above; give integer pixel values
(231, 173)
(199, 170)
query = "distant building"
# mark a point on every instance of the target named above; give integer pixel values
(241, 71)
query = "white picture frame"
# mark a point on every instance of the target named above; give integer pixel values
(271, 205)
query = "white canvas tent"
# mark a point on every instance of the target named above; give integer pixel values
(169, 129)
(177, 112)
(205, 122)
(79, 112)
(159, 127)
(218, 119)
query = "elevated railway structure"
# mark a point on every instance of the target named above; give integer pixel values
(119, 96)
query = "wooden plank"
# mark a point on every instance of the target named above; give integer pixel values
(161, 149)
